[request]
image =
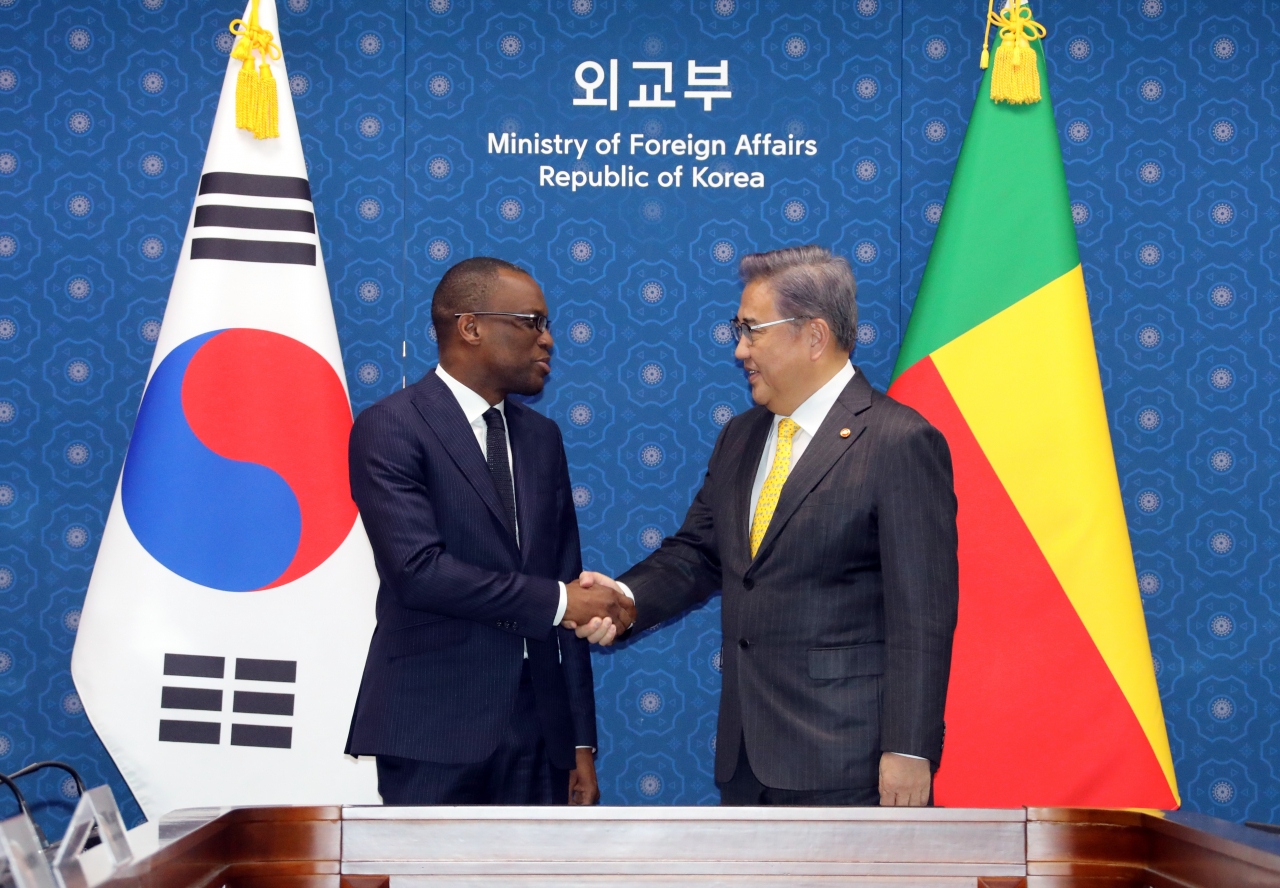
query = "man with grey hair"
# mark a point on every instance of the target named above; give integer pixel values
(828, 518)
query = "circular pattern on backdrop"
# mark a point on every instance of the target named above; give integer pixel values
(721, 414)
(510, 45)
(1222, 708)
(152, 82)
(77, 454)
(8, 246)
(75, 536)
(1150, 254)
(795, 47)
(439, 167)
(723, 252)
(369, 43)
(510, 209)
(369, 209)
(867, 334)
(1223, 49)
(650, 784)
(581, 414)
(1151, 9)
(78, 371)
(8, 495)
(652, 292)
(1222, 295)
(1149, 584)
(8, 79)
(652, 210)
(223, 41)
(1222, 378)
(439, 249)
(581, 251)
(935, 130)
(866, 170)
(1221, 460)
(649, 702)
(866, 88)
(439, 7)
(865, 252)
(439, 85)
(152, 165)
(79, 205)
(8, 163)
(580, 333)
(1151, 89)
(369, 126)
(651, 456)
(8, 329)
(8, 411)
(795, 210)
(1078, 131)
(368, 373)
(651, 373)
(932, 212)
(149, 330)
(299, 83)
(1149, 419)
(1222, 213)
(1149, 336)
(78, 288)
(1221, 542)
(1080, 213)
(6, 661)
(1222, 792)
(79, 122)
(721, 333)
(368, 291)
(582, 8)
(297, 7)
(1150, 172)
(151, 247)
(7, 578)
(582, 496)
(79, 39)
(936, 49)
(1148, 501)
(867, 8)
(1222, 626)
(1079, 49)
(71, 704)
(650, 538)
(1222, 131)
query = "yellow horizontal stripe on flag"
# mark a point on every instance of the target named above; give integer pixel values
(1027, 382)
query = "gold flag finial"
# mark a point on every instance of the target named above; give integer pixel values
(257, 105)
(1016, 76)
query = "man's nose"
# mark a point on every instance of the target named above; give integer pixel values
(743, 350)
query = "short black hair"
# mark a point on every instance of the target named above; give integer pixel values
(466, 287)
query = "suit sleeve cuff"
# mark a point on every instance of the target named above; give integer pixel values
(564, 605)
(908, 755)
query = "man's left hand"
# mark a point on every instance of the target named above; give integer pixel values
(903, 780)
(583, 788)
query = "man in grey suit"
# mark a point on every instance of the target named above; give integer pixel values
(828, 518)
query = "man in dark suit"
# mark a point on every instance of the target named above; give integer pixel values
(828, 518)
(471, 693)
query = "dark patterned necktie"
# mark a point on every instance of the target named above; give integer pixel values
(499, 467)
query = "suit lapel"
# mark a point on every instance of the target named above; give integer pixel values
(522, 456)
(757, 435)
(821, 454)
(440, 409)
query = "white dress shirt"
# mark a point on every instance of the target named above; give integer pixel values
(473, 408)
(809, 416)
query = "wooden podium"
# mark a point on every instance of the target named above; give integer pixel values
(386, 847)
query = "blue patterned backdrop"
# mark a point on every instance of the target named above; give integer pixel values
(1168, 116)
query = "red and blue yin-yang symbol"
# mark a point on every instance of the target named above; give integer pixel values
(236, 476)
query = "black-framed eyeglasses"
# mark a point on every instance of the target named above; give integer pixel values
(536, 321)
(742, 328)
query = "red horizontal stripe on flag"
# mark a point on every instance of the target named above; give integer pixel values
(1034, 716)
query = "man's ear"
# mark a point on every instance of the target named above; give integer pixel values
(819, 338)
(468, 331)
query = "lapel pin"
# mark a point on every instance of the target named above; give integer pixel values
(844, 433)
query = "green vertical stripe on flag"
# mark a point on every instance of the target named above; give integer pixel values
(1006, 229)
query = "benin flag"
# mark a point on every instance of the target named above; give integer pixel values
(1053, 697)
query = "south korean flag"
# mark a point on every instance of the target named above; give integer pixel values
(222, 641)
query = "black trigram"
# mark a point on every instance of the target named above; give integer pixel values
(211, 700)
(259, 218)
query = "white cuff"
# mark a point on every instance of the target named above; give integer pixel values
(907, 755)
(626, 591)
(564, 605)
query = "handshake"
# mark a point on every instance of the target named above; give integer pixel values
(597, 608)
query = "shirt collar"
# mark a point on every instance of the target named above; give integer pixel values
(814, 410)
(473, 406)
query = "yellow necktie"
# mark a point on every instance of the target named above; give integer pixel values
(773, 484)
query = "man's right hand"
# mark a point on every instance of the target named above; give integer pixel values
(603, 630)
(591, 601)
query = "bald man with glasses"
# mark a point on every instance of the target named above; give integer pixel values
(472, 693)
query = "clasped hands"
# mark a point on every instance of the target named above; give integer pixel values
(597, 609)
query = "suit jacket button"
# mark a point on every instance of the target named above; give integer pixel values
(748, 584)
(743, 643)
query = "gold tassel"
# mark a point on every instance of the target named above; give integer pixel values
(257, 102)
(1016, 76)
(268, 105)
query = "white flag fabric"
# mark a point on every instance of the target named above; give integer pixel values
(226, 624)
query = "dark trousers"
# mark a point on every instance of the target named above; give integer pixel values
(744, 788)
(517, 773)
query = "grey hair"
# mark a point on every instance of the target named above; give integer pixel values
(809, 282)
